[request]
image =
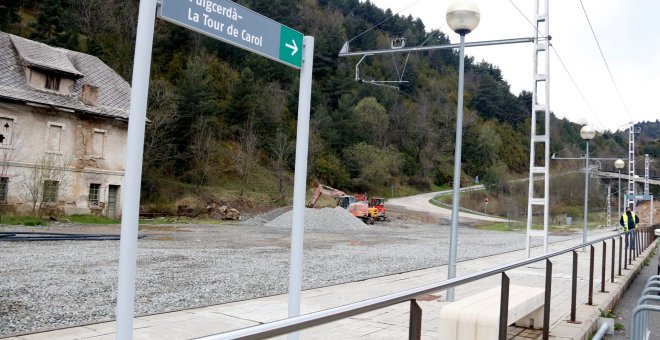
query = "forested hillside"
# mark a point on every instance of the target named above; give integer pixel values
(223, 117)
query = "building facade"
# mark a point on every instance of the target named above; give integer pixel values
(63, 129)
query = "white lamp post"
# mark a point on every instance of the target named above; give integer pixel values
(619, 164)
(587, 133)
(462, 17)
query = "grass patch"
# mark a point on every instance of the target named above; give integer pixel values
(516, 226)
(22, 220)
(503, 226)
(92, 219)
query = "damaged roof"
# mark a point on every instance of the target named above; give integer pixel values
(17, 52)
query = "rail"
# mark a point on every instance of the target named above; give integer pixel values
(639, 322)
(645, 237)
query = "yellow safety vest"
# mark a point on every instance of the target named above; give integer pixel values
(625, 220)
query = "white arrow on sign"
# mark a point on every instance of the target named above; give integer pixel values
(294, 47)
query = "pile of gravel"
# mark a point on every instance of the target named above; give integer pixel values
(321, 219)
(266, 217)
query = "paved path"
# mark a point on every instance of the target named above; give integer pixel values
(387, 323)
(421, 203)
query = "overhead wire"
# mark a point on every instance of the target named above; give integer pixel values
(570, 75)
(609, 71)
(384, 20)
(561, 61)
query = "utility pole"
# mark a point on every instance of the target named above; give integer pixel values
(609, 205)
(631, 166)
(647, 161)
(540, 130)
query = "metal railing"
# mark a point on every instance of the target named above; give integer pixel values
(639, 322)
(644, 238)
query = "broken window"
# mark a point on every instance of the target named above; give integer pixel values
(94, 190)
(52, 82)
(4, 189)
(6, 129)
(98, 143)
(51, 189)
(54, 136)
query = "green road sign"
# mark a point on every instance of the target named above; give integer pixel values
(234, 24)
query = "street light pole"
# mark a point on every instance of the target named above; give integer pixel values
(453, 235)
(586, 194)
(463, 17)
(619, 164)
(587, 133)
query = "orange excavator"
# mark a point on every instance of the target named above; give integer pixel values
(357, 205)
(324, 190)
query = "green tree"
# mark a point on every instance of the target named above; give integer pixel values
(196, 108)
(370, 121)
(9, 16)
(55, 25)
(371, 168)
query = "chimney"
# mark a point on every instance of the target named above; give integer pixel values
(90, 95)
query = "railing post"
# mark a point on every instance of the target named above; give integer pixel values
(625, 254)
(591, 275)
(574, 287)
(546, 303)
(602, 269)
(630, 247)
(504, 307)
(415, 327)
(643, 232)
(620, 253)
(612, 262)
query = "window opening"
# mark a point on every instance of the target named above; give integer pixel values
(94, 190)
(98, 143)
(50, 190)
(54, 136)
(4, 189)
(52, 82)
(6, 129)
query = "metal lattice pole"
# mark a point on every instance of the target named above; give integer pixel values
(609, 205)
(540, 104)
(647, 161)
(630, 201)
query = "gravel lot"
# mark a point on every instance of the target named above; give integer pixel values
(55, 284)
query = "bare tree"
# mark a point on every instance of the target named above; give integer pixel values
(44, 180)
(158, 148)
(245, 157)
(280, 148)
(202, 149)
(10, 148)
(92, 15)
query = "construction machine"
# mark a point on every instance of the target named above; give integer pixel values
(357, 205)
(361, 210)
(324, 190)
(377, 208)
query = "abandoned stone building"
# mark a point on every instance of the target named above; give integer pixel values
(63, 127)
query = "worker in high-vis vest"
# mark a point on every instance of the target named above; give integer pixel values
(629, 221)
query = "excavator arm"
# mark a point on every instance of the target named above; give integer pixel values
(323, 190)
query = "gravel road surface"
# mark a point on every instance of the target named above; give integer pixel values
(421, 203)
(51, 284)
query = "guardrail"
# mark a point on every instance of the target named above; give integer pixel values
(463, 190)
(639, 322)
(626, 254)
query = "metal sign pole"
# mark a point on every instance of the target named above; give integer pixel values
(300, 180)
(133, 175)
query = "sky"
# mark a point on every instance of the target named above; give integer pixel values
(627, 31)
